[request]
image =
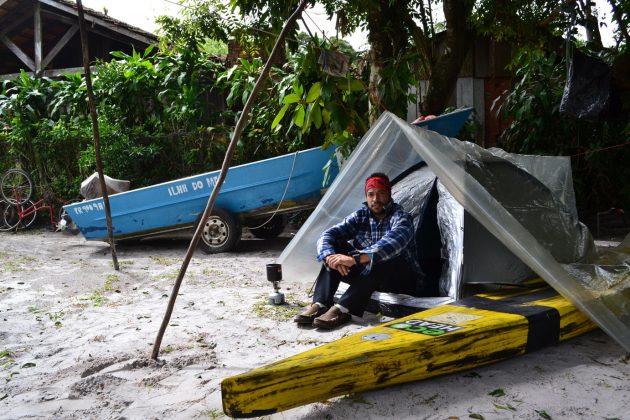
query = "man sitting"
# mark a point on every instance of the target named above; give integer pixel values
(372, 249)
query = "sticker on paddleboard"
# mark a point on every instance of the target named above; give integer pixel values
(422, 326)
(376, 337)
(453, 318)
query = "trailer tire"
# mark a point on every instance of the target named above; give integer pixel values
(221, 232)
(271, 229)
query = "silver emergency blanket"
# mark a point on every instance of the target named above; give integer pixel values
(502, 218)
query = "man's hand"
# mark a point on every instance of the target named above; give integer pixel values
(340, 262)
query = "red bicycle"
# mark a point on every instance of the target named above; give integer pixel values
(16, 188)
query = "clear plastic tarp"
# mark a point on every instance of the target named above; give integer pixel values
(524, 202)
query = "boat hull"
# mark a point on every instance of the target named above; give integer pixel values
(465, 334)
(249, 190)
(285, 183)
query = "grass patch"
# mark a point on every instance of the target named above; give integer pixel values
(34, 310)
(122, 263)
(6, 359)
(12, 263)
(97, 298)
(166, 276)
(10, 266)
(56, 318)
(212, 272)
(162, 260)
(213, 414)
(263, 309)
(111, 282)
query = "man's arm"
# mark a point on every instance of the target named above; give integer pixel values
(393, 243)
(342, 231)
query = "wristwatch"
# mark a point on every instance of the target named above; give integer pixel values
(357, 258)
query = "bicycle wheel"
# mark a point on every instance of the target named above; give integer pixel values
(16, 185)
(11, 216)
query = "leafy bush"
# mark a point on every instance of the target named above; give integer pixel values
(537, 127)
(160, 117)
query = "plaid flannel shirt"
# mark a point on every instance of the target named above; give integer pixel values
(382, 240)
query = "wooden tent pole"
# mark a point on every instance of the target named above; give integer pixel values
(240, 125)
(97, 137)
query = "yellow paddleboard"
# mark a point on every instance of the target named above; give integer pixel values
(475, 331)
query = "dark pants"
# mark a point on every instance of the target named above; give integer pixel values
(394, 276)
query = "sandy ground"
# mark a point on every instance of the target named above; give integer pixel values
(76, 336)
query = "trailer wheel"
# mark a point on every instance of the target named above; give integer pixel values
(221, 232)
(271, 229)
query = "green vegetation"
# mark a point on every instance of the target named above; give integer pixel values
(537, 127)
(11, 263)
(56, 318)
(166, 261)
(212, 272)
(97, 298)
(123, 263)
(111, 282)
(152, 121)
(263, 309)
(213, 414)
(6, 359)
(167, 276)
(162, 115)
(169, 112)
(497, 393)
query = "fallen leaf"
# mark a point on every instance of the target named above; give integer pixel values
(497, 393)
(505, 407)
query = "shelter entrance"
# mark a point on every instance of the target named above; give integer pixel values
(429, 244)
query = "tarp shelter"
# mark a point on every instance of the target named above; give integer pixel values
(482, 216)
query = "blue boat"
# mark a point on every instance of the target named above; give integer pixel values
(449, 124)
(256, 195)
(251, 194)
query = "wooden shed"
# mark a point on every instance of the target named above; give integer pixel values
(42, 37)
(483, 77)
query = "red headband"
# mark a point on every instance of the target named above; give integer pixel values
(378, 182)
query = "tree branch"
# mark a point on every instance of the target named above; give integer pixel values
(619, 18)
(240, 125)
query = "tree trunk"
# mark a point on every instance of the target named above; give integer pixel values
(591, 25)
(387, 42)
(456, 45)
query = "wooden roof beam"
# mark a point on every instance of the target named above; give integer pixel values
(93, 30)
(37, 27)
(19, 53)
(98, 21)
(60, 44)
(46, 73)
